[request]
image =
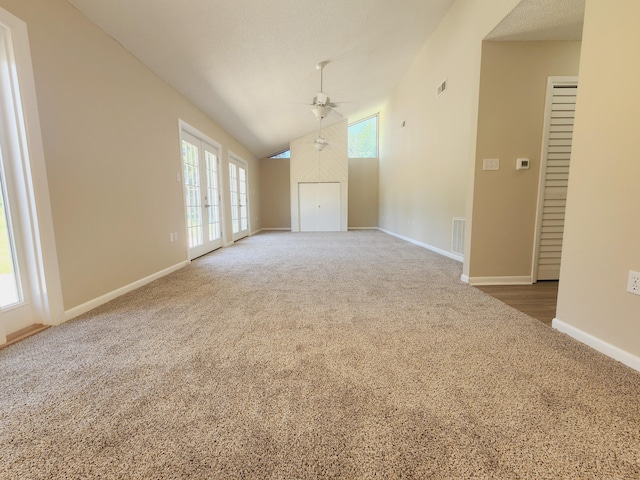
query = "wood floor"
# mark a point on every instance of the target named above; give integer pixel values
(537, 300)
(24, 333)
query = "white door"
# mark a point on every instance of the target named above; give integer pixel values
(238, 188)
(201, 166)
(554, 176)
(319, 207)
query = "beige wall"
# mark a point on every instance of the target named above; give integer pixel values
(110, 133)
(510, 125)
(602, 224)
(425, 168)
(363, 192)
(329, 165)
(275, 193)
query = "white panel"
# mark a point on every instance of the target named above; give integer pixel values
(328, 207)
(319, 207)
(308, 207)
(561, 112)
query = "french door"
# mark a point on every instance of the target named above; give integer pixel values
(238, 183)
(201, 167)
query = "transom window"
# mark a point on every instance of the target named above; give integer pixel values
(363, 138)
(285, 154)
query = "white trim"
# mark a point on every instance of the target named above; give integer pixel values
(453, 256)
(274, 230)
(96, 302)
(464, 278)
(609, 350)
(184, 126)
(523, 280)
(3, 336)
(362, 228)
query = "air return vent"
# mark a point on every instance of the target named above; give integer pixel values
(457, 236)
(442, 87)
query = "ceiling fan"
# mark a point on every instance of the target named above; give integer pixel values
(321, 106)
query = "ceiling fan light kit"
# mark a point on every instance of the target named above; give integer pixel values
(320, 143)
(320, 111)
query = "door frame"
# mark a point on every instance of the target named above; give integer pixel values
(232, 157)
(185, 127)
(27, 152)
(546, 133)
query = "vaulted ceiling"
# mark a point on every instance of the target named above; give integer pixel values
(250, 64)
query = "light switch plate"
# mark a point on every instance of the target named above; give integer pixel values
(491, 164)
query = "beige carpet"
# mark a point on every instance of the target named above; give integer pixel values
(347, 355)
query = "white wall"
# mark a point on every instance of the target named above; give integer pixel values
(602, 226)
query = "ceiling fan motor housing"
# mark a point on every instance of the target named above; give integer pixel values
(321, 99)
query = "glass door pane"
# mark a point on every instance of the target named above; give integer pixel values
(9, 285)
(213, 196)
(242, 183)
(190, 160)
(233, 189)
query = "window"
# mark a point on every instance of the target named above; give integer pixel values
(363, 138)
(285, 154)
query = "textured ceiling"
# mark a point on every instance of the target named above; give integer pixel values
(250, 64)
(542, 20)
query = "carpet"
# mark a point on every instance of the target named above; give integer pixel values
(314, 355)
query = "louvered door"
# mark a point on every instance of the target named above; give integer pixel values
(554, 178)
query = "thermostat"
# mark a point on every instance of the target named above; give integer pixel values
(522, 164)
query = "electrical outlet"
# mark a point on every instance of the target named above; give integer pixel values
(633, 285)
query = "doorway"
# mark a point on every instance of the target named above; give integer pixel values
(554, 176)
(238, 188)
(201, 175)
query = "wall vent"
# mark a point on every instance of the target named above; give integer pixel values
(442, 87)
(457, 236)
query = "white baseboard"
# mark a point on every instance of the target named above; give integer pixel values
(464, 278)
(451, 255)
(523, 280)
(362, 228)
(275, 230)
(96, 302)
(609, 350)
